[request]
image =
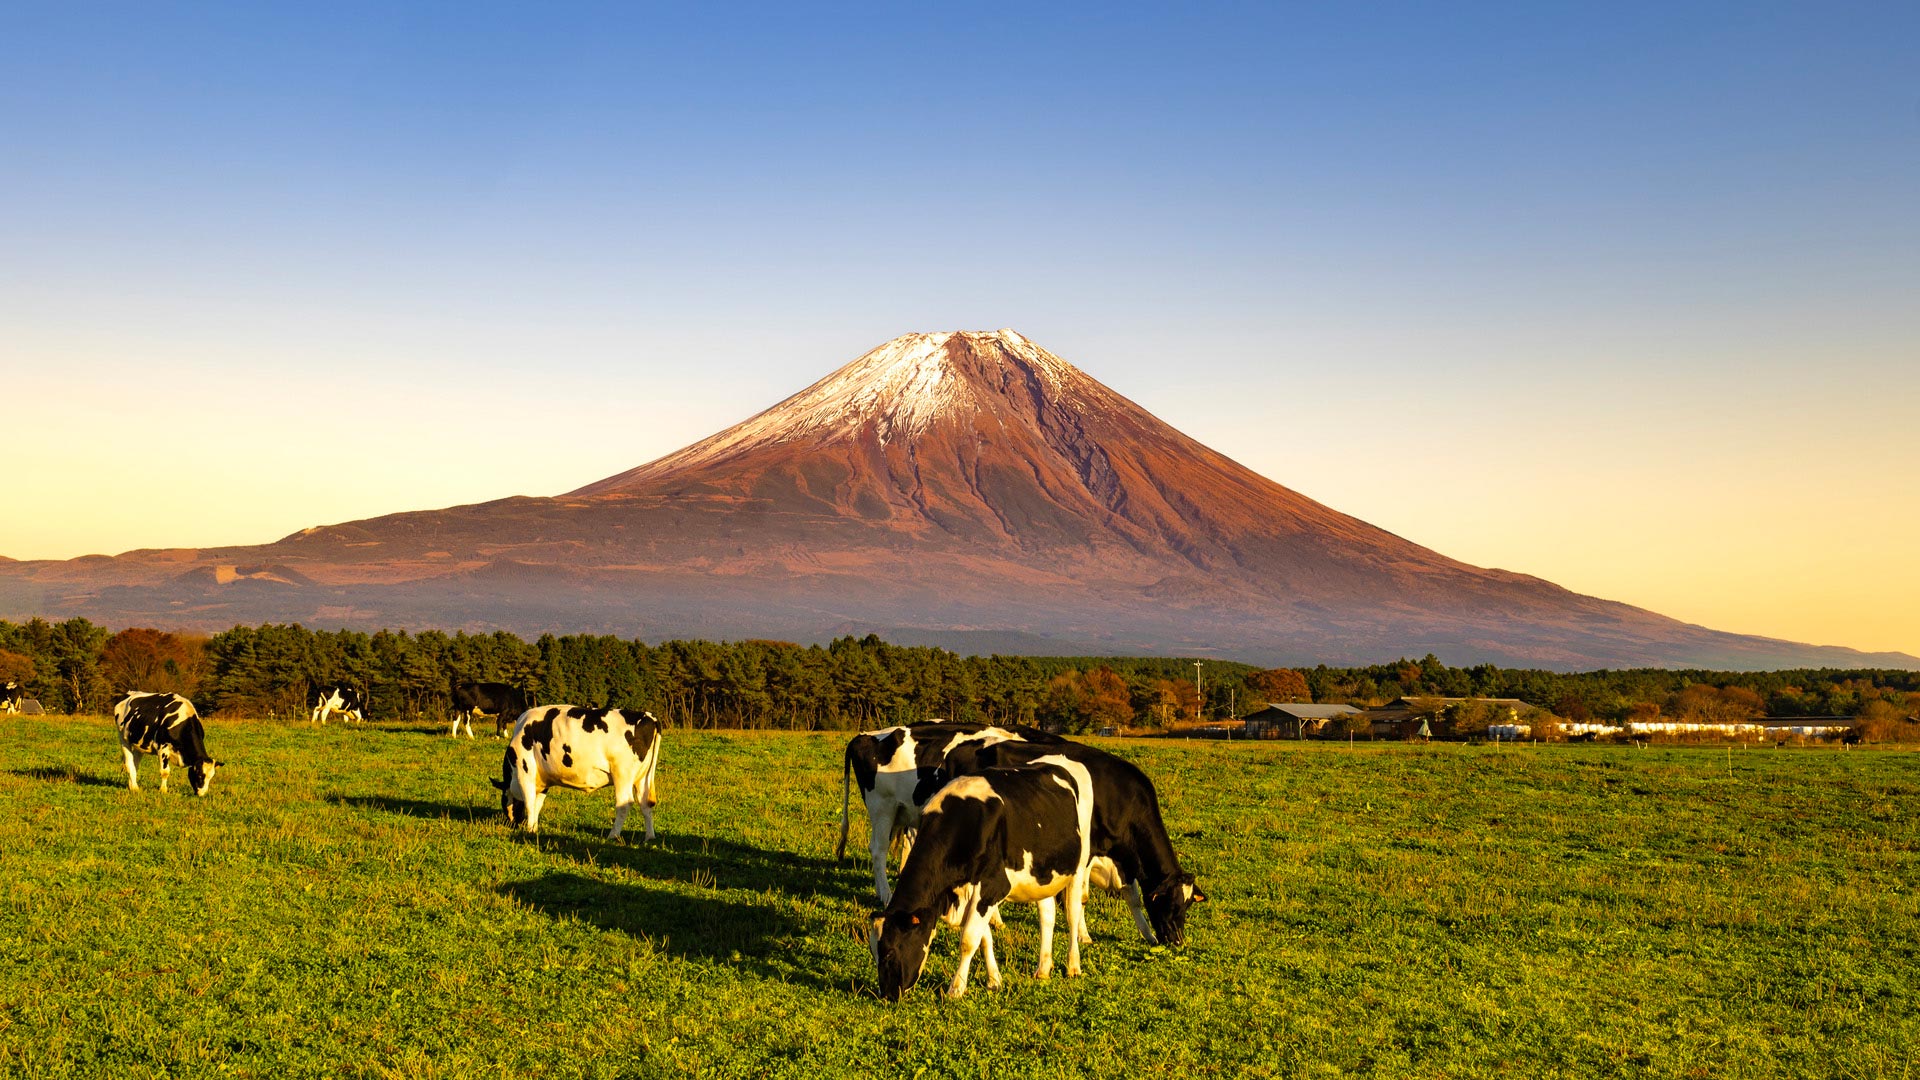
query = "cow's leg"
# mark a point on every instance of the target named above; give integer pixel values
(455, 730)
(1139, 905)
(534, 801)
(625, 777)
(878, 847)
(993, 965)
(971, 934)
(164, 766)
(469, 725)
(1076, 921)
(132, 759)
(1045, 970)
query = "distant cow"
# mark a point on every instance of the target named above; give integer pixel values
(11, 695)
(505, 703)
(1001, 834)
(584, 749)
(167, 726)
(897, 769)
(1132, 856)
(336, 698)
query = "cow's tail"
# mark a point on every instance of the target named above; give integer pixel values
(650, 784)
(846, 794)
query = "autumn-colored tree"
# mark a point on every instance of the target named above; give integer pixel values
(16, 667)
(142, 659)
(1702, 703)
(1881, 720)
(1279, 685)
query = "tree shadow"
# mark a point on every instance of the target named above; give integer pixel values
(758, 938)
(66, 774)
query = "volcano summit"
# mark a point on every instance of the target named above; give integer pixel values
(969, 489)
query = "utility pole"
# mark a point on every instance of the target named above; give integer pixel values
(1199, 699)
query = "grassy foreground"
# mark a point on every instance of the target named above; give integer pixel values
(347, 903)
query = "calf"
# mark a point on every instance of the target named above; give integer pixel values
(10, 697)
(1019, 833)
(584, 749)
(503, 701)
(897, 769)
(336, 698)
(167, 726)
(1132, 856)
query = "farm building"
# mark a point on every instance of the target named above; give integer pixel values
(1394, 723)
(1295, 721)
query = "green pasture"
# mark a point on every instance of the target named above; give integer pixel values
(347, 902)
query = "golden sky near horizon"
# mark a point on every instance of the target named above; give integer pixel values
(1795, 522)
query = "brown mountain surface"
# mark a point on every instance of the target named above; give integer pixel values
(968, 489)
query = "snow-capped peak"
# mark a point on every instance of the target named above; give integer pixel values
(899, 388)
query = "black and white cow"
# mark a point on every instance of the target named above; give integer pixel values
(1020, 833)
(1132, 855)
(898, 769)
(504, 702)
(584, 749)
(167, 726)
(10, 697)
(323, 701)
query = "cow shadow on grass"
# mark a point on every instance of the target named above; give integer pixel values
(761, 939)
(66, 774)
(425, 809)
(721, 862)
(715, 861)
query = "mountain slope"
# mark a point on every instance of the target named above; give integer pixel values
(948, 483)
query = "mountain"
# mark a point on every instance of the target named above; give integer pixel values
(965, 489)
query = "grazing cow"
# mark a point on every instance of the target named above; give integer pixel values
(10, 697)
(584, 749)
(336, 698)
(898, 769)
(504, 702)
(167, 726)
(1132, 856)
(1019, 833)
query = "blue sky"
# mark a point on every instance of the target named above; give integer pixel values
(1619, 295)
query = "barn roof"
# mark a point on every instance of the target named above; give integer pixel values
(1305, 712)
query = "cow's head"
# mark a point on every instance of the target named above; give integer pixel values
(901, 941)
(1167, 908)
(200, 775)
(508, 805)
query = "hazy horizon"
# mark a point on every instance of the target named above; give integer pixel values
(1621, 299)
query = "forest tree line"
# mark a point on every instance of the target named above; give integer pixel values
(851, 683)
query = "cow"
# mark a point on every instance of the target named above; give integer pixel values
(1132, 855)
(167, 726)
(11, 695)
(336, 698)
(584, 749)
(1019, 833)
(898, 769)
(504, 702)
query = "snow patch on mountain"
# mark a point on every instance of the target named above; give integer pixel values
(897, 390)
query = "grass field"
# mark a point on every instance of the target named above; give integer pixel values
(347, 902)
